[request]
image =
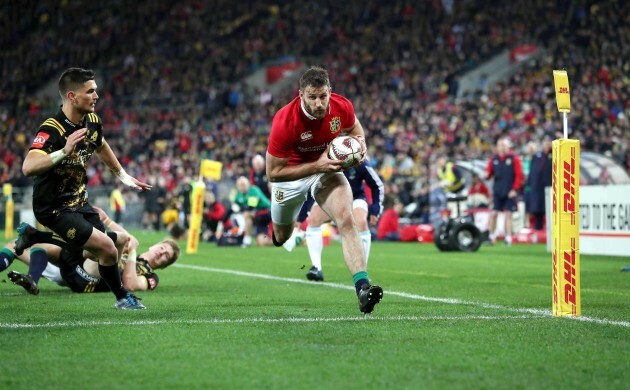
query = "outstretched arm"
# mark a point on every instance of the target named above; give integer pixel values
(106, 154)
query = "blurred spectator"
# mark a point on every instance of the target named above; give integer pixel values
(117, 203)
(185, 191)
(154, 203)
(213, 214)
(422, 212)
(478, 193)
(171, 218)
(388, 227)
(506, 169)
(450, 176)
(258, 176)
(255, 208)
(539, 177)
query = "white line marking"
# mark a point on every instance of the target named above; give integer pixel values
(76, 324)
(451, 301)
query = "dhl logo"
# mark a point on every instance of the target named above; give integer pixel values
(569, 186)
(194, 237)
(563, 90)
(198, 203)
(569, 275)
(554, 282)
(554, 188)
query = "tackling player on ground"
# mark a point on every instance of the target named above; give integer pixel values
(298, 163)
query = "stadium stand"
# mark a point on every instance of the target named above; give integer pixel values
(172, 91)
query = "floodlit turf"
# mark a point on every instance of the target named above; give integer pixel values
(247, 318)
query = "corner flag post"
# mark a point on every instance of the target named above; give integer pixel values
(565, 211)
(7, 191)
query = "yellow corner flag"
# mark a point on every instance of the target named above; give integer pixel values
(563, 97)
(196, 216)
(565, 228)
(211, 169)
(7, 191)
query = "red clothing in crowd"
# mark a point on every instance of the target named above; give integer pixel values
(388, 224)
(215, 211)
(479, 188)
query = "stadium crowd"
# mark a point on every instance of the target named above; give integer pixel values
(171, 92)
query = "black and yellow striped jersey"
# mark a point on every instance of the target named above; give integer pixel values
(143, 268)
(64, 186)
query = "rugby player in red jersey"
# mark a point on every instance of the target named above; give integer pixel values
(298, 163)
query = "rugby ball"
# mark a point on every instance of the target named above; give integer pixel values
(346, 149)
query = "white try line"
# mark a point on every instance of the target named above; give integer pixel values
(83, 324)
(451, 301)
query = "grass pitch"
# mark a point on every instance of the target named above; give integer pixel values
(247, 318)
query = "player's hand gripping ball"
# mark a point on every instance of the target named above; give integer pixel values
(346, 149)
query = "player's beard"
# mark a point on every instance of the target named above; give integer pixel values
(317, 114)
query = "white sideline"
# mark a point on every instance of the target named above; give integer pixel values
(76, 324)
(452, 301)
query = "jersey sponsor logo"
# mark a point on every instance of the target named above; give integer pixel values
(316, 148)
(305, 136)
(71, 233)
(40, 140)
(85, 275)
(335, 125)
(278, 196)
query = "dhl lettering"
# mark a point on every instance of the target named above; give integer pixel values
(194, 234)
(569, 186)
(554, 280)
(554, 189)
(569, 277)
(197, 206)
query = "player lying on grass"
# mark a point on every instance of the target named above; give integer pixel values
(79, 271)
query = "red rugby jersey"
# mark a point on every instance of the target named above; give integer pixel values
(301, 139)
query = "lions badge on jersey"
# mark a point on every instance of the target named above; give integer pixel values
(335, 125)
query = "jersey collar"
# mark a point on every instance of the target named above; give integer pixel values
(65, 119)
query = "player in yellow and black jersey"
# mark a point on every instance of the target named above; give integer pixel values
(63, 187)
(58, 158)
